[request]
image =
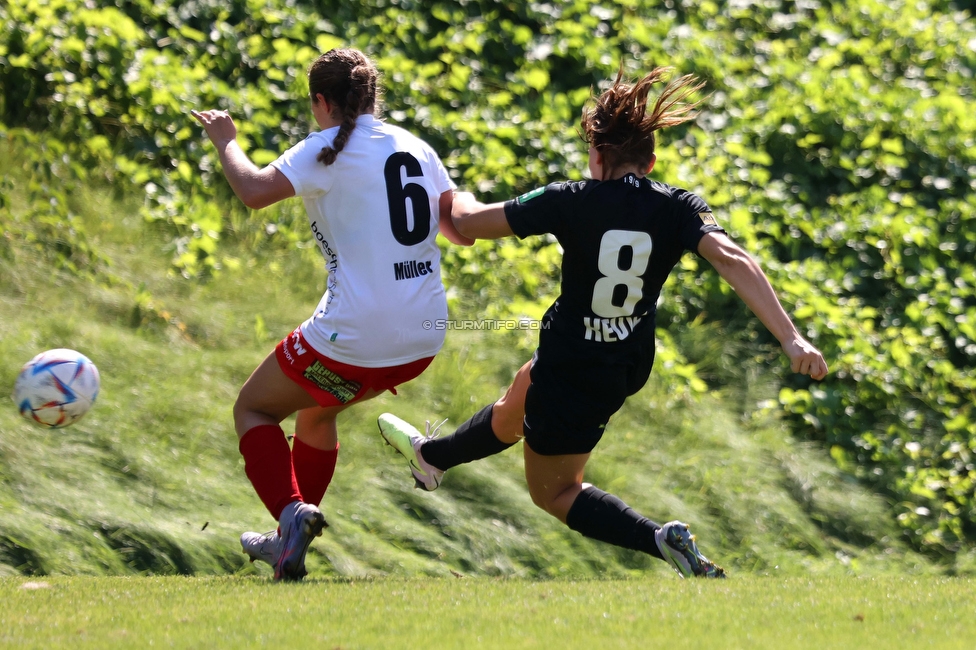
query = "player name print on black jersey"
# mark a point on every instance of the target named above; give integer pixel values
(412, 269)
(610, 330)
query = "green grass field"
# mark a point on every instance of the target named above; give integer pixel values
(745, 612)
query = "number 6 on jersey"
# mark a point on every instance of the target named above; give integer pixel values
(398, 192)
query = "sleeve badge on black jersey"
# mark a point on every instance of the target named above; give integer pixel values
(707, 218)
(528, 196)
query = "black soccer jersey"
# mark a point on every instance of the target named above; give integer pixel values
(620, 240)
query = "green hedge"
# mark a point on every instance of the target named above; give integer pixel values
(839, 146)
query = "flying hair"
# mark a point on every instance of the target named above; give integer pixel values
(619, 124)
(348, 80)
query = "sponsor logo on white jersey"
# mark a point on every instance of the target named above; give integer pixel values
(331, 258)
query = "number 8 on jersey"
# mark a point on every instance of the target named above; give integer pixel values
(610, 262)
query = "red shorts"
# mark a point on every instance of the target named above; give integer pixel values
(332, 383)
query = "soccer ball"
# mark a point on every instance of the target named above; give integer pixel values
(56, 388)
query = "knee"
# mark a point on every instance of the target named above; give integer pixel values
(542, 498)
(246, 416)
(317, 427)
(538, 499)
(241, 408)
(556, 500)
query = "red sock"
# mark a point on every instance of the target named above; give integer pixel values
(267, 463)
(313, 469)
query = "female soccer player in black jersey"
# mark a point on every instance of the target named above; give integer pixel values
(621, 235)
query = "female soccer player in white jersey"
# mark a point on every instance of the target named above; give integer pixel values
(621, 235)
(376, 197)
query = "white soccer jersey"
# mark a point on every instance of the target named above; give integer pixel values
(374, 213)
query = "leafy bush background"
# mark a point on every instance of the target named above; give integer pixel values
(839, 146)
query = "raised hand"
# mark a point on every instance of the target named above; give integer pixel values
(219, 125)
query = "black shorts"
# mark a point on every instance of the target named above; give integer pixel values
(573, 393)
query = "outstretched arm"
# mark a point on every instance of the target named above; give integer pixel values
(751, 284)
(256, 188)
(446, 223)
(477, 220)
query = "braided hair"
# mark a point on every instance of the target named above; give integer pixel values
(619, 125)
(347, 79)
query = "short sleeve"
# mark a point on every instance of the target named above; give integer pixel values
(442, 179)
(300, 164)
(539, 211)
(695, 218)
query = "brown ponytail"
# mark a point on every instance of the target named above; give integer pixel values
(619, 126)
(348, 80)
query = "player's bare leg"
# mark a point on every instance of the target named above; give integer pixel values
(509, 412)
(554, 481)
(556, 485)
(268, 397)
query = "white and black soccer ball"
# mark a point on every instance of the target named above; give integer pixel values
(56, 388)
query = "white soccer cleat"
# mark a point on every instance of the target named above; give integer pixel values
(300, 523)
(407, 440)
(678, 547)
(262, 547)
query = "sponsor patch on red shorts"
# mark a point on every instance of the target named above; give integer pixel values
(333, 383)
(344, 390)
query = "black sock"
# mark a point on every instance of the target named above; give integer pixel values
(602, 516)
(473, 440)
